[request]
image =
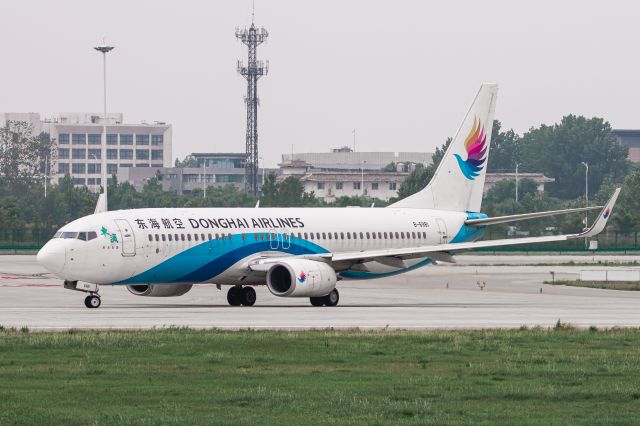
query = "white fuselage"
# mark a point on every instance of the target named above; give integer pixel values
(215, 245)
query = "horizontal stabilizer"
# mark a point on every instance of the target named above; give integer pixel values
(517, 217)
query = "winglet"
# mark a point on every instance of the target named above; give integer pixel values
(603, 217)
(101, 205)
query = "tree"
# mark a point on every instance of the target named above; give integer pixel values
(558, 151)
(504, 152)
(506, 190)
(189, 161)
(22, 155)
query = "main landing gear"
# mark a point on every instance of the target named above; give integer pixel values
(238, 295)
(330, 299)
(92, 301)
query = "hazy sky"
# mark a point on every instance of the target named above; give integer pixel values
(401, 72)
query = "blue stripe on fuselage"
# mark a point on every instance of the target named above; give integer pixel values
(210, 258)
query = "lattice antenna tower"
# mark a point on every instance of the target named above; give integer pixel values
(254, 69)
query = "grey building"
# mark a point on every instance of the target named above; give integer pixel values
(214, 170)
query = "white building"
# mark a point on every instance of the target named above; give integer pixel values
(346, 158)
(332, 184)
(79, 144)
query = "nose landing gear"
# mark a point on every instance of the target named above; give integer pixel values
(92, 301)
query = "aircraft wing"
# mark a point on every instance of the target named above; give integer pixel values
(486, 221)
(443, 251)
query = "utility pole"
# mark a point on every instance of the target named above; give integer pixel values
(255, 69)
(46, 174)
(104, 48)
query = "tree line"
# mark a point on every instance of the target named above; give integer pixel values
(557, 151)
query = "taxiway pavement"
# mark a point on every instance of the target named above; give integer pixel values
(440, 296)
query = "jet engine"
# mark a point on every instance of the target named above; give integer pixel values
(158, 290)
(301, 278)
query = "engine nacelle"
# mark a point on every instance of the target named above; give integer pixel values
(158, 290)
(301, 278)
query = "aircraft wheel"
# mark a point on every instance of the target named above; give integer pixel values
(317, 301)
(92, 301)
(332, 298)
(248, 296)
(234, 296)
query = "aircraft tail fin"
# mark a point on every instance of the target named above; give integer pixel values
(458, 182)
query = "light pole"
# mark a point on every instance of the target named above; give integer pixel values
(104, 48)
(362, 177)
(517, 165)
(46, 174)
(586, 191)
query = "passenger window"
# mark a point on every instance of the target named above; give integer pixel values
(424, 235)
(311, 235)
(349, 235)
(413, 235)
(91, 235)
(188, 237)
(390, 235)
(328, 235)
(402, 235)
(169, 236)
(373, 235)
(150, 237)
(163, 237)
(379, 235)
(317, 235)
(397, 236)
(299, 236)
(157, 238)
(176, 237)
(182, 237)
(385, 235)
(229, 236)
(306, 237)
(195, 237)
(342, 235)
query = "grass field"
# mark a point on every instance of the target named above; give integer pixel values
(180, 376)
(609, 285)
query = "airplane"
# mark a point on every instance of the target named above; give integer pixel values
(295, 252)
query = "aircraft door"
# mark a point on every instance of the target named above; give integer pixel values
(274, 239)
(286, 239)
(128, 237)
(442, 231)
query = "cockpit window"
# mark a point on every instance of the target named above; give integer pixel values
(83, 236)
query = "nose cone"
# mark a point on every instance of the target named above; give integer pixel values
(52, 256)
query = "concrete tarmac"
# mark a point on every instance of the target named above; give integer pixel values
(440, 296)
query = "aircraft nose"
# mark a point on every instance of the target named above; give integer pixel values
(52, 256)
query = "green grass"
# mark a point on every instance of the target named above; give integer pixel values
(180, 376)
(609, 285)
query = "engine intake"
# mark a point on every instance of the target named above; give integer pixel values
(301, 278)
(159, 290)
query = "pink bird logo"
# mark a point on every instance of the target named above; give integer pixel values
(606, 213)
(302, 278)
(476, 147)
